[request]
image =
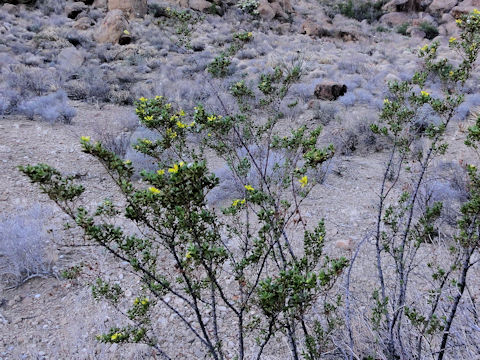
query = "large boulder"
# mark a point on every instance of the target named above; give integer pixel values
(269, 9)
(330, 90)
(133, 8)
(442, 6)
(395, 5)
(72, 10)
(465, 7)
(112, 27)
(200, 5)
(395, 18)
(265, 11)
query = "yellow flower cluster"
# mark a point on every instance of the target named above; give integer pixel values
(452, 40)
(237, 202)
(115, 336)
(424, 93)
(182, 125)
(476, 12)
(212, 118)
(175, 167)
(386, 101)
(154, 190)
(171, 134)
(249, 188)
(85, 138)
(161, 172)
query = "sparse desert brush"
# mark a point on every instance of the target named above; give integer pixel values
(24, 250)
(52, 108)
(405, 229)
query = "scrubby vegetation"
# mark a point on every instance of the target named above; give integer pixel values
(249, 267)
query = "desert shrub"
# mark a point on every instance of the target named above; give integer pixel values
(24, 245)
(402, 29)
(249, 6)
(407, 223)
(90, 83)
(29, 81)
(430, 30)
(362, 10)
(239, 258)
(52, 108)
(49, 7)
(324, 113)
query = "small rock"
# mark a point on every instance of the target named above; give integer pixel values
(70, 58)
(10, 8)
(83, 23)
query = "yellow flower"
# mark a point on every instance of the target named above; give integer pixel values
(168, 106)
(142, 99)
(171, 134)
(148, 118)
(181, 163)
(211, 118)
(249, 34)
(145, 301)
(146, 141)
(472, 167)
(115, 336)
(137, 300)
(237, 202)
(424, 93)
(85, 138)
(191, 124)
(450, 73)
(452, 40)
(158, 97)
(181, 125)
(188, 255)
(181, 113)
(173, 169)
(249, 188)
(476, 12)
(424, 48)
(303, 181)
(161, 172)
(458, 21)
(154, 190)
(126, 32)
(386, 101)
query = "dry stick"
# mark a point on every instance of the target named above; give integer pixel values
(462, 284)
(347, 297)
(390, 345)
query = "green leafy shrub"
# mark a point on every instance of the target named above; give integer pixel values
(362, 10)
(249, 6)
(430, 30)
(402, 29)
(247, 257)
